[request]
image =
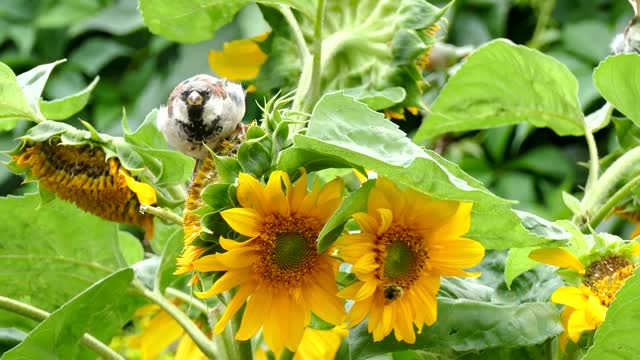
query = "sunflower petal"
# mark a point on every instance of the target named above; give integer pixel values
(145, 193)
(244, 221)
(557, 257)
(570, 296)
(240, 59)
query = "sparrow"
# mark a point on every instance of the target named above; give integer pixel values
(201, 110)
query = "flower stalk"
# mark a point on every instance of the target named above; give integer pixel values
(31, 312)
(204, 344)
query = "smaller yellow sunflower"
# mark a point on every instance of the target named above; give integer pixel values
(279, 267)
(407, 242)
(586, 305)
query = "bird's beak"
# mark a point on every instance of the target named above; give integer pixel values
(194, 99)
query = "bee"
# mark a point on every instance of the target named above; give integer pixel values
(392, 292)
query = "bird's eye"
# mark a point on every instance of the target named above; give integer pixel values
(184, 95)
(207, 92)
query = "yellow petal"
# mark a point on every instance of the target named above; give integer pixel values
(274, 194)
(570, 296)
(635, 250)
(367, 223)
(188, 350)
(386, 219)
(161, 331)
(250, 194)
(298, 192)
(557, 257)
(145, 193)
(255, 314)
(595, 311)
(318, 344)
(209, 263)
(457, 255)
(234, 305)
(244, 221)
(239, 59)
(228, 281)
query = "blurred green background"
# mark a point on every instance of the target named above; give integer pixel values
(137, 71)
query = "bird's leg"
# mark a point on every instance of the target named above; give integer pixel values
(195, 170)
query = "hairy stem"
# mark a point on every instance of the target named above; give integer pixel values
(594, 161)
(162, 213)
(600, 189)
(613, 201)
(316, 69)
(204, 344)
(187, 299)
(31, 312)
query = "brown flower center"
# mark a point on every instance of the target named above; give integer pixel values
(288, 251)
(606, 276)
(403, 255)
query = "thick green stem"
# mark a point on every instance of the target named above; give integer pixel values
(226, 342)
(316, 72)
(162, 213)
(204, 344)
(594, 161)
(626, 165)
(614, 200)
(188, 299)
(31, 312)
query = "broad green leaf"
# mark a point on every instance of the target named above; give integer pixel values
(541, 227)
(627, 132)
(537, 161)
(101, 310)
(60, 109)
(502, 83)
(254, 158)
(188, 21)
(97, 52)
(307, 7)
(32, 84)
(164, 275)
(47, 253)
(517, 263)
(616, 337)
(13, 104)
(377, 99)
(355, 202)
(119, 19)
(465, 325)
(343, 128)
(588, 38)
(130, 247)
(618, 79)
(217, 196)
(600, 118)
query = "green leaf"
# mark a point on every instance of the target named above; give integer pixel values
(537, 160)
(600, 118)
(307, 7)
(96, 52)
(345, 129)
(121, 18)
(618, 80)
(571, 202)
(217, 196)
(541, 227)
(628, 133)
(465, 325)
(227, 167)
(254, 158)
(164, 275)
(588, 38)
(101, 310)
(377, 99)
(60, 109)
(355, 202)
(48, 255)
(13, 104)
(131, 248)
(517, 263)
(502, 83)
(616, 337)
(187, 21)
(32, 84)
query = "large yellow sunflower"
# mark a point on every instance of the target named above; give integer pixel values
(279, 268)
(407, 242)
(586, 305)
